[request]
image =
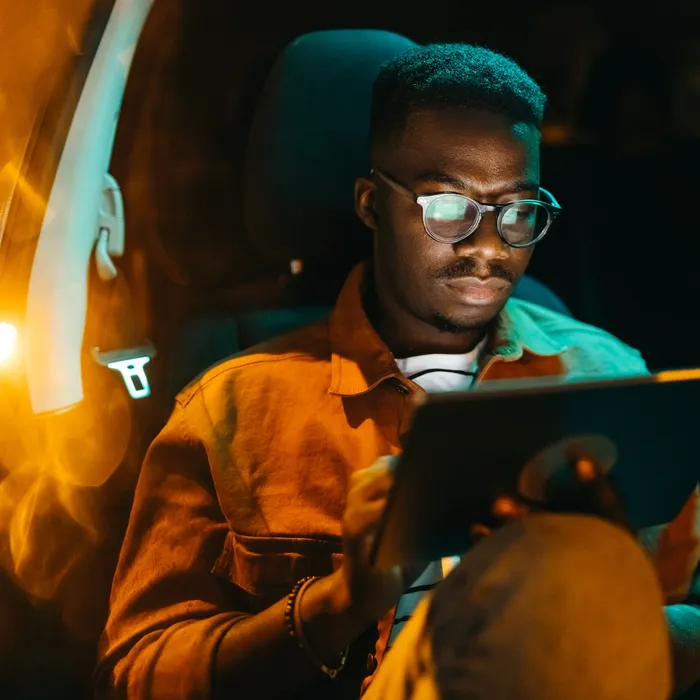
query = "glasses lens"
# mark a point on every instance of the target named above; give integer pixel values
(450, 217)
(523, 222)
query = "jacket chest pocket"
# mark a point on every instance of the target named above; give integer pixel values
(264, 569)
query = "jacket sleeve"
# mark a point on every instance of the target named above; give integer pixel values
(675, 551)
(168, 613)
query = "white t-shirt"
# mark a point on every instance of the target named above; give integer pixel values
(442, 372)
(433, 373)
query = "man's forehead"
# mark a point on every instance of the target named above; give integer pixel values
(438, 138)
(467, 122)
(489, 151)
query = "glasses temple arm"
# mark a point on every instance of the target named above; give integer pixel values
(396, 186)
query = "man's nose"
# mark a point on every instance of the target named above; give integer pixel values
(484, 243)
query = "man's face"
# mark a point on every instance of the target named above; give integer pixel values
(484, 156)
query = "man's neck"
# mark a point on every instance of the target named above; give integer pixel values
(407, 336)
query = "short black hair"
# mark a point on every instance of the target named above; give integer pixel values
(443, 76)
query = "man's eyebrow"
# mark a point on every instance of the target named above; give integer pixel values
(435, 177)
(522, 186)
(440, 178)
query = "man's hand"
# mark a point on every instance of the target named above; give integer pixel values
(370, 591)
(581, 488)
(586, 489)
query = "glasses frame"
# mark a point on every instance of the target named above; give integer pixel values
(425, 200)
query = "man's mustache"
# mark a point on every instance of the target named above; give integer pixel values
(469, 267)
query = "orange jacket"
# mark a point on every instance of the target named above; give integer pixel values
(242, 493)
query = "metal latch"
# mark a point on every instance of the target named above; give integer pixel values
(130, 363)
(110, 229)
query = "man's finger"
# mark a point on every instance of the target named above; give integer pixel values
(585, 488)
(586, 469)
(478, 531)
(362, 519)
(385, 463)
(373, 482)
(507, 508)
(371, 489)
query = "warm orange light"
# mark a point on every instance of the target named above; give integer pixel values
(8, 341)
(678, 375)
(508, 508)
(586, 469)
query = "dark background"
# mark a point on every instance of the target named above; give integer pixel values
(621, 147)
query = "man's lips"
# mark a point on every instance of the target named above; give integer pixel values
(478, 290)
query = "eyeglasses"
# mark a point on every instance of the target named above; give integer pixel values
(450, 218)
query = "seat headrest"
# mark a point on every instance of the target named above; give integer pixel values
(308, 143)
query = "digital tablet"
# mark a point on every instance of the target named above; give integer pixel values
(503, 438)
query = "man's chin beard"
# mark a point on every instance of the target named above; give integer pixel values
(457, 327)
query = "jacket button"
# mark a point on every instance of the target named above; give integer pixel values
(402, 389)
(371, 664)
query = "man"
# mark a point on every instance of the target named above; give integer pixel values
(272, 470)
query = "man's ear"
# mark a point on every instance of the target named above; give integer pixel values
(365, 202)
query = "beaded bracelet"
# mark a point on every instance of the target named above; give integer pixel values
(293, 625)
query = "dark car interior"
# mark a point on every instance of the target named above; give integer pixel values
(237, 156)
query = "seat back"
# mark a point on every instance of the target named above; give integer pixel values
(308, 143)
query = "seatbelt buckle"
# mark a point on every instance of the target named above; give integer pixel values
(130, 363)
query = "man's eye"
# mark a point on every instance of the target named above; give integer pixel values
(450, 208)
(518, 213)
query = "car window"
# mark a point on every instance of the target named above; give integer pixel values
(45, 50)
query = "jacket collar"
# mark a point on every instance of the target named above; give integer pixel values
(360, 360)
